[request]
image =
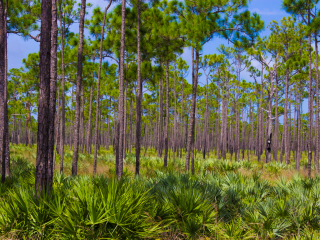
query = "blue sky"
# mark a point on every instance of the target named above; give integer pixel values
(269, 10)
(18, 48)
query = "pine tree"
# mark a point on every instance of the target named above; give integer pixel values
(42, 181)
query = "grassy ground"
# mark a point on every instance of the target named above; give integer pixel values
(224, 200)
(150, 163)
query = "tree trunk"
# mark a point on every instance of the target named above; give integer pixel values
(3, 35)
(190, 144)
(53, 89)
(98, 92)
(276, 125)
(62, 121)
(310, 100)
(139, 96)
(167, 117)
(78, 91)
(120, 114)
(42, 183)
(316, 160)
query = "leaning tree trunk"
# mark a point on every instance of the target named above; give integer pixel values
(78, 91)
(42, 183)
(53, 88)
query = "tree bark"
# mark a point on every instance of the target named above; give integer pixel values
(42, 182)
(3, 35)
(78, 91)
(53, 89)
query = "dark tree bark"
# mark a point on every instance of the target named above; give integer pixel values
(3, 35)
(78, 91)
(53, 89)
(42, 183)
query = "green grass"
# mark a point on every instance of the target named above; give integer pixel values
(223, 200)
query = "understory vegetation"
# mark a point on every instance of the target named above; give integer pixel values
(223, 200)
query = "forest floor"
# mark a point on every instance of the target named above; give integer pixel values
(150, 163)
(223, 200)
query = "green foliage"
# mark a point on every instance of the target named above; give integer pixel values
(219, 203)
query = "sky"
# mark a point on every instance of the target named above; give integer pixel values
(19, 48)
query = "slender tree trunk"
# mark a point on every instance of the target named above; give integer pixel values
(160, 119)
(310, 102)
(42, 183)
(90, 121)
(78, 91)
(139, 95)
(3, 35)
(189, 147)
(285, 119)
(6, 126)
(276, 125)
(53, 89)
(71, 122)
(316, 160)
(190, 144)
(120, 114)
(62, 121)
(167, 116)
(98, 93)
